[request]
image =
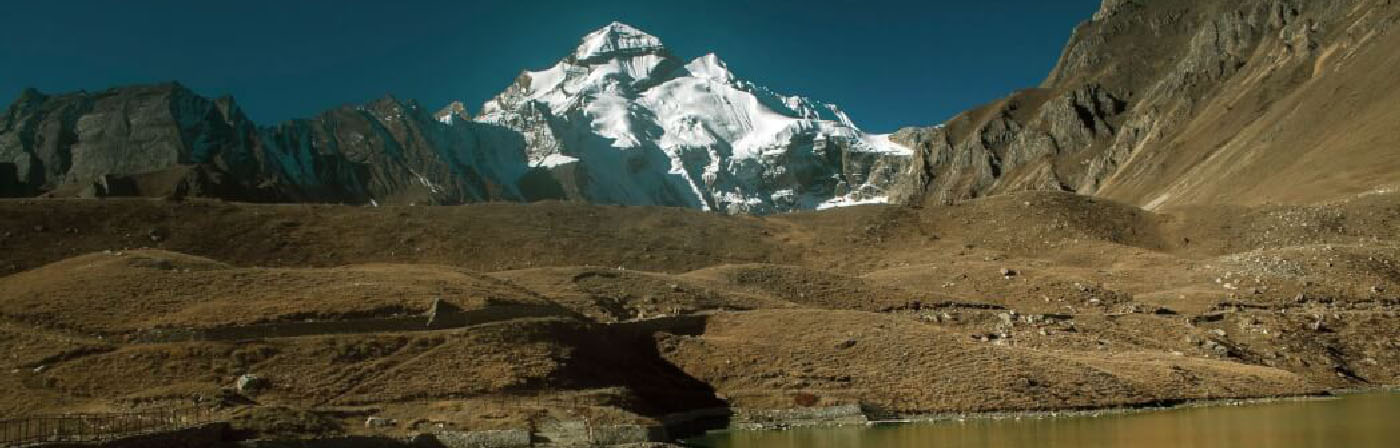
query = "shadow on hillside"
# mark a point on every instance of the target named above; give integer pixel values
(627, 355)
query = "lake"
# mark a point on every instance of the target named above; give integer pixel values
(1352, 421)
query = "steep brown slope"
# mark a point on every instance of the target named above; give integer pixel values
(1176, 102)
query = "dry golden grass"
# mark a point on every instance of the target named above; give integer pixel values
(1109, 305)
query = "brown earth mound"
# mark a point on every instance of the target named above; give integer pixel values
(811, 288)
(757, 360)
(611, 295)
(145, 289)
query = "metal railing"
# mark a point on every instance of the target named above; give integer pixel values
(96, 427)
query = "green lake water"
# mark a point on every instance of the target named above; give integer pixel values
(1352, 421)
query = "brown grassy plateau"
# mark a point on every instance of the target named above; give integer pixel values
(1025, 301)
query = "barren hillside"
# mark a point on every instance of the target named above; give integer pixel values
(1172, 103)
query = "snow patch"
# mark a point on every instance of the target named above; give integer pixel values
(553, 160)
(432, 187)
(847, 201)
(881, 143)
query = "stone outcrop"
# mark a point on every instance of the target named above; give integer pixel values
(115, 141)
(472, 439)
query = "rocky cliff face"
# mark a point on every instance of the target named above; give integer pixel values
(164, 140)
(94, 143)
(619, 121)
(1175, 102)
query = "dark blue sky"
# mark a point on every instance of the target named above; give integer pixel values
(887, 63)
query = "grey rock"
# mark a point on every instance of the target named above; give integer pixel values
(380, 422)
(475, 439)
(251, 384)
(1007, 318)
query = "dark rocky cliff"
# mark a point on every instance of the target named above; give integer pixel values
(164, 140)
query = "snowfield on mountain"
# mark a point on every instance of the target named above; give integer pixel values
(639, 126)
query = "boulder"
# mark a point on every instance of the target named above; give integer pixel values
(251, 384)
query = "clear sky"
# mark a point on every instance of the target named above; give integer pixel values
(888, 63)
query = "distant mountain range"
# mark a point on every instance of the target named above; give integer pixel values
(1165, 103)
(617, 121)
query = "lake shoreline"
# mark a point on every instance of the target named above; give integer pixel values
(1361, 414)
(1162, 405)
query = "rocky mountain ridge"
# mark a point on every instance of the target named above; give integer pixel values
(1173, 103)
(628, 122)
(618, 121)
(1160, 104)
(165, 140)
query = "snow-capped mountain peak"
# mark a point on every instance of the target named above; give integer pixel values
(632, 124)
(614, 40)
(616, 59)
(710, 66)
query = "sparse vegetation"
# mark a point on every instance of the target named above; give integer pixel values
(898, 310)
